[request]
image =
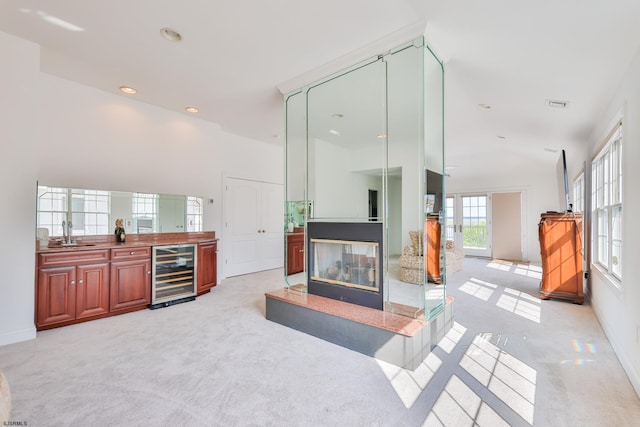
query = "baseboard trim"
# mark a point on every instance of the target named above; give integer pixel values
(627, 366)
(17, 336)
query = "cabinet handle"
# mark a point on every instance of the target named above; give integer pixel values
(301, 250)
(149, 272)
(80, 282)
(73, 282)
(131, 253)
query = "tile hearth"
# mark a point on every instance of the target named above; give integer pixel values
(394, 338)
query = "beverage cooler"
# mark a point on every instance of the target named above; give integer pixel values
(174, 269)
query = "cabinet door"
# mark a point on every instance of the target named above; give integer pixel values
(92, 290)
(56, 295)
(207, 261)
(295, 255)
(130, 284)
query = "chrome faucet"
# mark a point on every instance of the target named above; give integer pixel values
(67, 228)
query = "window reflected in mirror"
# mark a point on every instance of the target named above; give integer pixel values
(93, 212)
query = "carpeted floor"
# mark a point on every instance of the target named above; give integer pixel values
(511, 359)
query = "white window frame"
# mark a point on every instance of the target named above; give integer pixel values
(144, 210)
(606, 192)
(578, 193)
(88, 210)
(195, 213)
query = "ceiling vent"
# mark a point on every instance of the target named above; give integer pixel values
(557, 104)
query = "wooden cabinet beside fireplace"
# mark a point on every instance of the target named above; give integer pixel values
(295, 253)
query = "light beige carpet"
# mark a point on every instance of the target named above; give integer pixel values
(510, 360)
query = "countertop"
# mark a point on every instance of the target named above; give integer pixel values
(88, 243)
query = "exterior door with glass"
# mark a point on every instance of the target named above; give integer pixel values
(469, 223)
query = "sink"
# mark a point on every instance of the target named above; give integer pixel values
(76, 245)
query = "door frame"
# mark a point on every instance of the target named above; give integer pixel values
(458, 221)
(524, 215)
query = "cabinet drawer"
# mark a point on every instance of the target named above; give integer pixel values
(295, 238)
(72, 257)
(120, 254)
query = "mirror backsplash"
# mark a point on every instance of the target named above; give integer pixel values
(94, 212)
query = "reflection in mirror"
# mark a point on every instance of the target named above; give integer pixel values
(434, 191)
(347, 131)
(94, 212)
(405, 81)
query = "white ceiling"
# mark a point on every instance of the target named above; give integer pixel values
(512, 55)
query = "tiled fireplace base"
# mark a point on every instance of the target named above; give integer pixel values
(393, 338)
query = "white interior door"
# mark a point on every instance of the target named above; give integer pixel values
(171, 218)
(254, 228)
(272, 239)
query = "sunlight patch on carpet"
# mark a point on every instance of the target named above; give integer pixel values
(409, 384)
(478, 288)
(511, 380)
(458, 405)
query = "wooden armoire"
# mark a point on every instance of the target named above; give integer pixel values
(560, 236)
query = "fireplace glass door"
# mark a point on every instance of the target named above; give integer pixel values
(346, 263)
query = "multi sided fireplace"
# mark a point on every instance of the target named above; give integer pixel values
(345, 262)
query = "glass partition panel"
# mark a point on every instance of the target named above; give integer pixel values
(366, 145)
(297, 209)
(405, 162)
(434, 191)
(347, 130)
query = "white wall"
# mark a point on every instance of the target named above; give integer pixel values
(67, 134)
(617, 307)
(18, 74)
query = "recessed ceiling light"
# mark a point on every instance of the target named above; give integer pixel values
(381, 136)
(337, 116)
(485, 106)
(191, 109)
(334, 132)
(128, 90)
(170, 34)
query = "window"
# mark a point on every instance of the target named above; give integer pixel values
(194, 213)
(88, 210)
(144, 208)
(606, 188)
(451, 228)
